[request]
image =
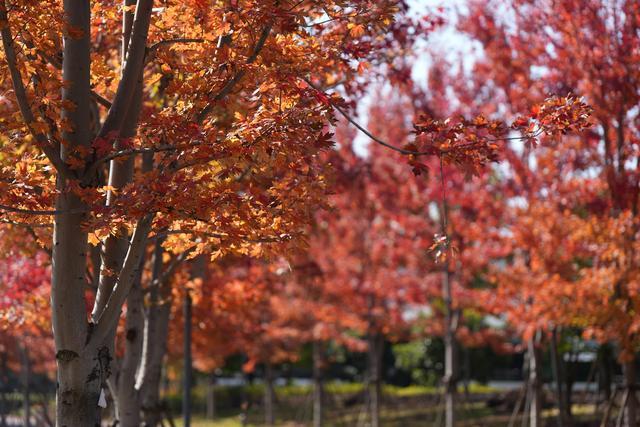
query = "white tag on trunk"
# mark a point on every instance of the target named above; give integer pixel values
(102, 400)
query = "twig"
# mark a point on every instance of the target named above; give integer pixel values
(228, 87)
(162, 43)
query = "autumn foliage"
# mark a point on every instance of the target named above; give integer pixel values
(218, 153)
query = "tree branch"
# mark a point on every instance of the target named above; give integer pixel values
(50, 150)
(377, 140)
(20, 211)
(266, 239)
(132, 69)
(24, 224)
(228, 87)
(108, 319)
(156, 46)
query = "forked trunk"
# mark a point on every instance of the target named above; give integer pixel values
(80, 371)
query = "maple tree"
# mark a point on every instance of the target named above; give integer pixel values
(206, 107)
(199, 127)
(575, 232)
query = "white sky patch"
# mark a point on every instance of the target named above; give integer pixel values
(454, 46)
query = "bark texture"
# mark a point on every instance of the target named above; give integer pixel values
(80, 372)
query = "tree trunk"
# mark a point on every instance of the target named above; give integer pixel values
(127, 396)
(318, 384)
(114, 252)
(156, 329)
(604, 372)
(211, 396)
(269, 417)
(80, 372)
(375, 342)
(564, 408)
(154, 344)
(4, 381)
(187, 374)
(450, 380)
(26, 386)
(269, 395)
(535, 384)
(198, 268)
(246, 401)
(630, 409)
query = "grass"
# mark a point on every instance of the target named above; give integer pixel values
(471, 415)
(402, 407)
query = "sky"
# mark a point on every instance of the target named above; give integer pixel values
(448, 40)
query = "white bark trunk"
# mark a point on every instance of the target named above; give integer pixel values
(80, 373)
